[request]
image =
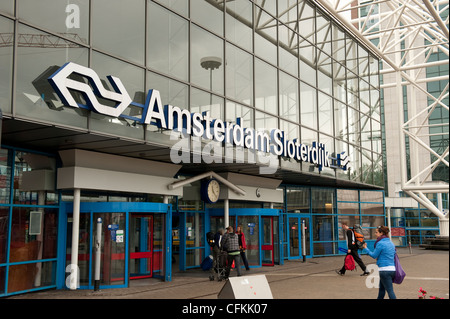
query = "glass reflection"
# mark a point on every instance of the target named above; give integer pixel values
(207, 69)
(35, 98)
(125, 36)
(71, 20)
(266, 87)
(167, 46)
(6, 58)
(239, 75)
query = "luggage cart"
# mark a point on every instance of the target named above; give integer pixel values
(219, 265)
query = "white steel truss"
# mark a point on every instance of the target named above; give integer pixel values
(405, 34)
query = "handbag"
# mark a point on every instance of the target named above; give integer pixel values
(399, 272)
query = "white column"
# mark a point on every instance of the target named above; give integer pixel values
(389, 222)
(226, 212)
(75, 235)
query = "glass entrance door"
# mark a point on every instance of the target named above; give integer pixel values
(295, 236)
(267, 241)
(113, 261)
(141, 246)
(135, 242)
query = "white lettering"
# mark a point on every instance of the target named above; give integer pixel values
(73, 19)
(195, 125)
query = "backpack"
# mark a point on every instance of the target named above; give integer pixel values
(210, 238)
(349, 262)
(359, 237)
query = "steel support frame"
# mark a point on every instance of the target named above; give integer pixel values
(412, 20)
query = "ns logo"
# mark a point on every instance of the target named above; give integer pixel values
(61, 83)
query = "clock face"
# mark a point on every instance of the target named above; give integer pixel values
(213, 190)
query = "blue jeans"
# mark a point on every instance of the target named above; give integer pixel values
(386, 285)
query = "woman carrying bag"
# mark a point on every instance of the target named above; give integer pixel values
(384, 253)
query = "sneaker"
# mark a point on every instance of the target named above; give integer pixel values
(339, 273)
(366, 273)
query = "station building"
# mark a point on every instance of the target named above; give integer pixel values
(157, 121)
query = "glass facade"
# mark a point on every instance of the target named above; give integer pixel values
(325, 210)
(29, 215)
(308, 77)
(279, 64)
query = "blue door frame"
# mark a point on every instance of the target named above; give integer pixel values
(113, 207)
(260, 212)
(299, 218)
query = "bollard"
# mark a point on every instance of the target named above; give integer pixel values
(98, 243)
(303, 241)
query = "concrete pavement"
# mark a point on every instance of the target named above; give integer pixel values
(313, 279)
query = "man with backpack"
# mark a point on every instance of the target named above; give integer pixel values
(352, 250)
(230, 243)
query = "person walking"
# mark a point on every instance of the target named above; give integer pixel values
(352, 250)
(384, 253)
(230, 243)
(242, 246)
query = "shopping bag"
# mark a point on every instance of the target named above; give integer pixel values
(399, 272)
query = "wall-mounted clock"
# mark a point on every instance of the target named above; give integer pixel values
(210, 191)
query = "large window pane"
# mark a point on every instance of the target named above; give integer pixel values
(354, 163)
(323, 34)
(372, 209)
(297, 200)
(239, 75)
(308, 105)
(35, 97)
(180, 6)
(288, 48)
(322, 201)
(234, 110)
(167, 47)
(325, 114)
(266, 87)
(23, 277)
(172, 92)
(340, 120)
(207, 69)
(4, 226)
(34, 178)
(348, 208)
(265, 35)
(125, 36)
(306, 21)
(354, 133)
(69, 19)
(239, 22)
(6, 55)
(39, 244)
(202, 101)
(5, 177)
(208, 15)
(324, 78)
(347, 195)
(289, 97)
